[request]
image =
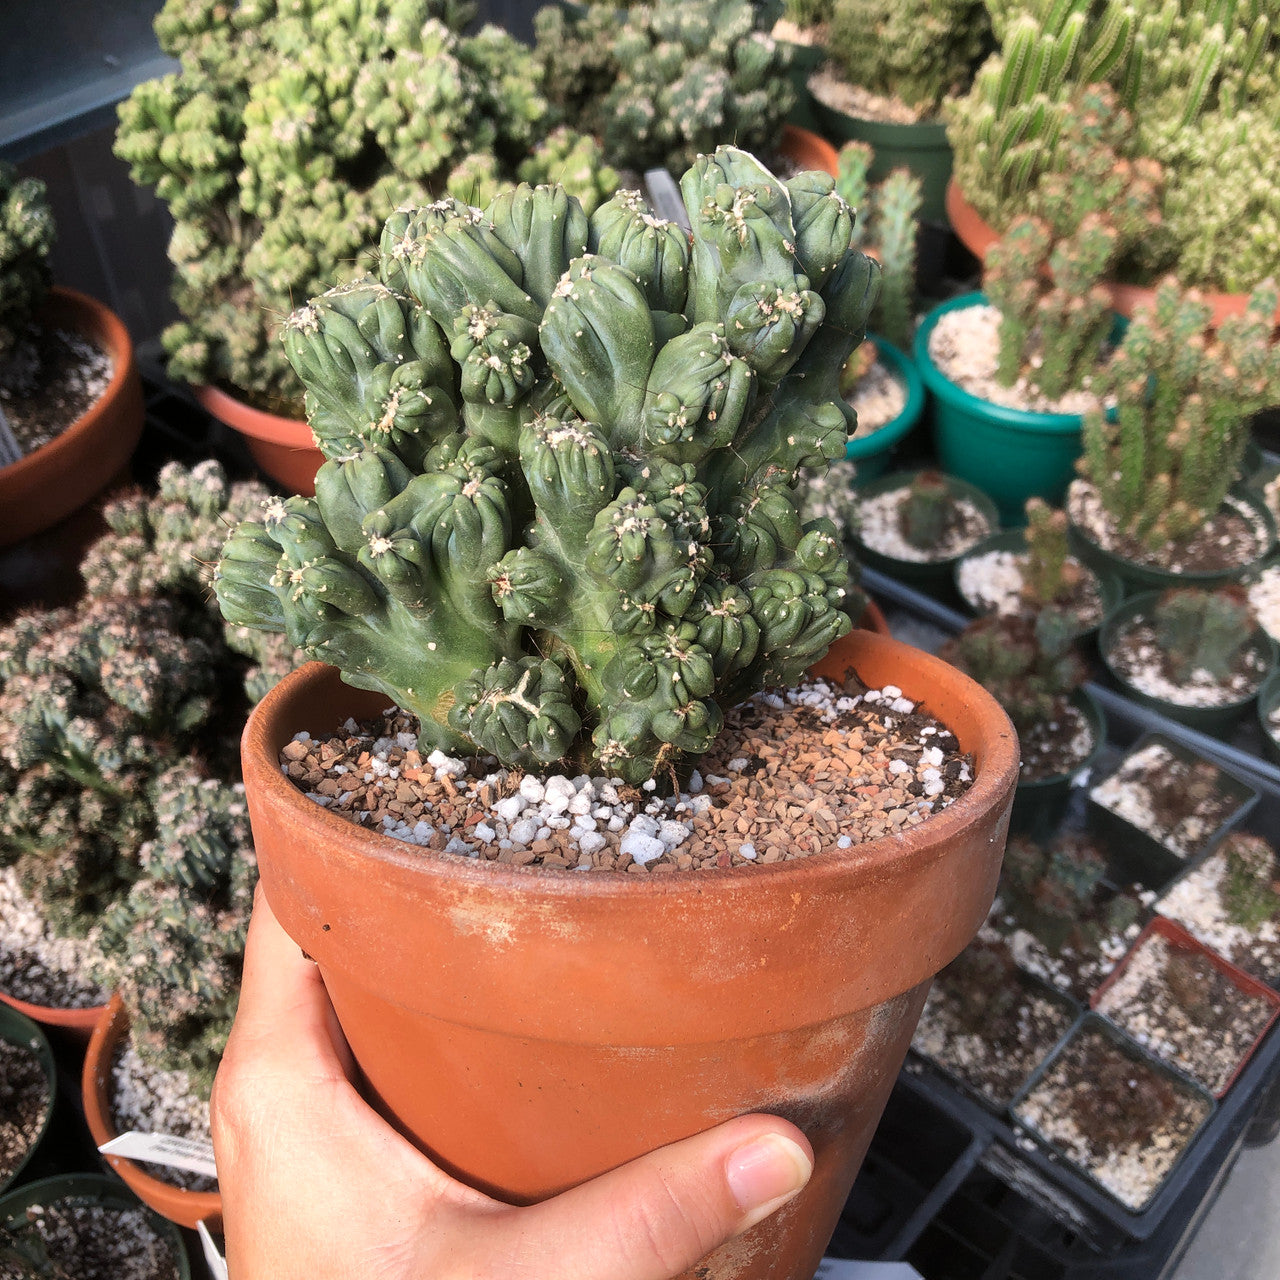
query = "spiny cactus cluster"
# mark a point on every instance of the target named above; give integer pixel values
(663, 83)
(1026, 661)
(1184, 400)
(886, 228)
(919, 51)
(1202, 82)
(574, 160)
(558, 520)
(1202, 630)
(26, 236)
(172, 947)
(282, 139)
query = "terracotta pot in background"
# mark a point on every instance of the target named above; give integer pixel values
(282, 447)
(79, 1022)
(179, 1205)
(58, 478)
(808, 150)
(531, 1029)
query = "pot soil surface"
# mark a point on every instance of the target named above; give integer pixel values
(1057, 747)
(24, 1102)
(88, 1241)
(834, 91)
(1135, 656)
(1234, 536)
(1119, 1119)
(1186, 1011)
(879, 526)
(1180, 803)
(49, 382)
(789, 776)
(993, 582)
(877, 398)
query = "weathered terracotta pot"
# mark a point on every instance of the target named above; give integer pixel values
(283, 447)
(808, 150)
(531, 1029)
(80, 1022)
(179, 1205)
(60, 477)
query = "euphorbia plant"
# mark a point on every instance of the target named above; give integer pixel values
(558, 521)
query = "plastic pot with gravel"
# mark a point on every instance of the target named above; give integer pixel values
(568, 551)
(28, 1087)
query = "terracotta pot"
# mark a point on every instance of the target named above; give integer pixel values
(532, 1029)
(60, 477)
(873, 620)
(186, 1208)
(978, 236)
(808, 150)
(282, 447)
(79, 1022)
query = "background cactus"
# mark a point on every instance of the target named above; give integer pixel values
(26, 236)
(1250, 887)
(558, 520)
(1049, 575)
(928, 510)
(1184, 400)
(918, 51)
(663, 83)
(281, 140)
(1199, 630)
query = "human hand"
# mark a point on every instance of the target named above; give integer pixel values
(317, 1186)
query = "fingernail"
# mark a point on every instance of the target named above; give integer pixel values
(765, 1174)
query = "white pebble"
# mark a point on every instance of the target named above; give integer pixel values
(509, 808)
(592, 842)
(525, 831)
(748, 851)
(531, 789)
(642, 848)
(844, 842)
(484, 832)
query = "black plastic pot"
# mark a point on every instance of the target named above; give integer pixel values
(16, 1029)
(1039, 806)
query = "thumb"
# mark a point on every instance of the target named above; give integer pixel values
(655, 1217)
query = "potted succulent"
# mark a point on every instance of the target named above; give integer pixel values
(28, 1087)
(276, 156)
(1156, 503)
(890, 68)
(613, 560)
(1195, 655)
(70, 396)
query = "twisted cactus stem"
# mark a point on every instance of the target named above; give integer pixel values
(558, 518)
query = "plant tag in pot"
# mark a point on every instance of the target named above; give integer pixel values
(216, 1262)
(164, 1148)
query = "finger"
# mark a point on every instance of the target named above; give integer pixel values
(655, 1217)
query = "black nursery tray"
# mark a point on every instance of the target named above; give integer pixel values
(1004, 1207)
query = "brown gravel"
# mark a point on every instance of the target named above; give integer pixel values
(784, 780)
(24, 1101)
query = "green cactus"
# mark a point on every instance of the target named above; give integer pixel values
(1049, 575)
(558, 518)
(576, 162)
(919, 51)
(662, 84)
(26, 236)
(1250, 887)
(1184, 398)
(808, 13)
(1203, 630)
(928, 510)
(282, 138)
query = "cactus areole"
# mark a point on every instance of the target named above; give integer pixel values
(558, 519)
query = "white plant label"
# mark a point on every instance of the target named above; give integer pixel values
(217, 1263)
(164, 1148)
(842, 1269)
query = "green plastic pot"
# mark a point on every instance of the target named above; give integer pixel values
(927, 575)
(1013, 454)
(1136, 577)
(16, 1029)
(96, 1189)
(1040, 806)
(873, 452)
(805, 60)
(1268, 701)
(1218, 720)
(923, 148)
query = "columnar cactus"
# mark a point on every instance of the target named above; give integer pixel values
(1049, 575)
(1185, 397)
(558, 519)
(1200, 630)
(26, 236)
(928, 510)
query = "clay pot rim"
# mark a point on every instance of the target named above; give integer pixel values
(179, 1204)
(251, 421)
(994, 781)
(82, 1020)
(119, 348)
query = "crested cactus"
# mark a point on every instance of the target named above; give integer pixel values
(26, 236)
(558, 519)
(919, 51)
(1184, 400)
(1199, 630)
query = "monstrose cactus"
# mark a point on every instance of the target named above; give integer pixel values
(558, 517)
(26, 236)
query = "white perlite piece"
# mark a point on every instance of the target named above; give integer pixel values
(1264, 599)
(877, 399)
(879, 529)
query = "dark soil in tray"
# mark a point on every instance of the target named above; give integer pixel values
(74, 1239)
(1056, 747)
(24, 1101)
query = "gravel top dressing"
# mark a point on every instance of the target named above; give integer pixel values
(1136, 656)
(149, 1100)
(880, 528)
(85, 1240)
(1179, 1006)
(1052, 748)
(1174, 800)
(789, 776)
(992, 582)
(877, 399)
(24, 1099)
(964, 344)
(1264, 600)
(1113, 1115)
(837, 93)
(35, 964)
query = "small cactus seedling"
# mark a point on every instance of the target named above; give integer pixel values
(1192, 981)
(1128, 1100)
(1251, 887)
(1199, 630)
(928, 510)
(558, 520)
(1050, 575)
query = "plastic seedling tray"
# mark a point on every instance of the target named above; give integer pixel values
(1179, 939)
